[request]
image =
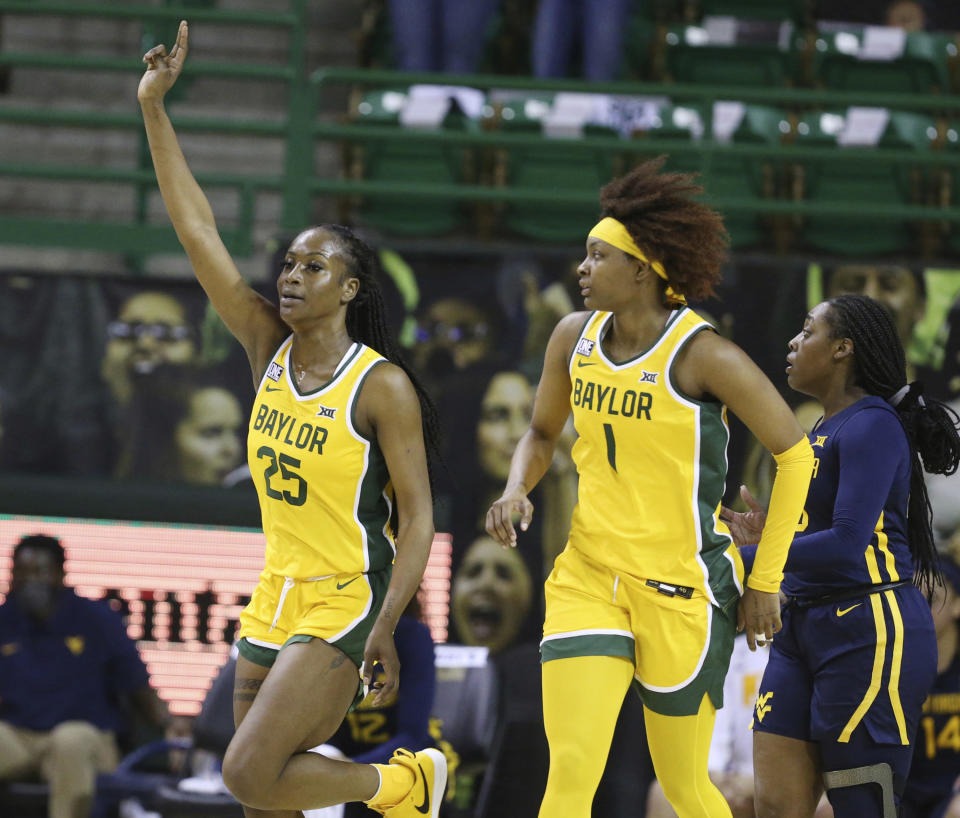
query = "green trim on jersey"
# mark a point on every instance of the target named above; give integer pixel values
(373, 509)
(607, 322)
(344, 365)
(714, 435)
(712, 469)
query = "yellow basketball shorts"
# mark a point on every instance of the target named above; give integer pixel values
(338, 609)
(680, 647)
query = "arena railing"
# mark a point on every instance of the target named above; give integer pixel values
(310, 118)
(706, 149)
(138, 236)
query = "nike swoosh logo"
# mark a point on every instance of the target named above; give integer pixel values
(847, 610)
(424, 808)
(342, 585)
(585, 363)
(274, 389)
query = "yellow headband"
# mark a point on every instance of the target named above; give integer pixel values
(613, 232)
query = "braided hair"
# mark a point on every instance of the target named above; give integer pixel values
(880, 368)
(367, 323)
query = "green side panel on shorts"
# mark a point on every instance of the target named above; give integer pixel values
(259, 655)
(607, 644)
(303, 637)
(265, 657)
(354, 641)
(686, 701)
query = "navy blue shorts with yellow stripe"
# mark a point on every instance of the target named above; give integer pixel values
(862, 664)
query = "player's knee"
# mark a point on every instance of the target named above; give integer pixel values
(244, 776)
(684, 798)
(771, 804)
(570, 762)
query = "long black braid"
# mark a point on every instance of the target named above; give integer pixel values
(880, 368)
(367, 323)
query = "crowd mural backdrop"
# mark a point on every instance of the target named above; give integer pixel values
(139, 382)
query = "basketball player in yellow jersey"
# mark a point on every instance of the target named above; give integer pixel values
(646, 591)
(336, 438)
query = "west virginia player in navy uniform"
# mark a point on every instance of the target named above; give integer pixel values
(848, 674)
(932, 786)
(335, 443)
(646, 590)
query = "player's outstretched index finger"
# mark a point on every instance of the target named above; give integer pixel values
(179, 52)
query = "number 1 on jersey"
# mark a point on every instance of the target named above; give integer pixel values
(611, 446)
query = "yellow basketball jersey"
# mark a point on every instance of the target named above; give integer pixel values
(325, 495)
(652, 464)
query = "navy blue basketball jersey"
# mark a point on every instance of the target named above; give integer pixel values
(854, 526)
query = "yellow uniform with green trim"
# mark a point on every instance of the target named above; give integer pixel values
(649, 572)
(325, 501)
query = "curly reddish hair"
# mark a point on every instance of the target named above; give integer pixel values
(665, 220)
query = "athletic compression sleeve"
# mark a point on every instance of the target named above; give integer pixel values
(794, 467)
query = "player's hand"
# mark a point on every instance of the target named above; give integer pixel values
(381, 649)
(745, 526)
(162, 68)
(759, 614)
(511, 507)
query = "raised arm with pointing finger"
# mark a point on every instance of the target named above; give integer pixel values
(336, 448)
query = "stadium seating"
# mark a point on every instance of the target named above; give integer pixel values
(874, 58)
(727, 175)
(945, 182)
(558, 165)
(842, 176)
(747, 178)
(730, 51)
(380, 158)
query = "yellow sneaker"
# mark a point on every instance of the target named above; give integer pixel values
(429, 768)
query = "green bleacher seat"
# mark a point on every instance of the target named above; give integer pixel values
(728, 176)
(883, 59)
(556, 165)
(389, 160)
(946, 182)
(728, 51)
(751, 178)
(840, 178)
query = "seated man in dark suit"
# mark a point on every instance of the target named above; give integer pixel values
(64, 661)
